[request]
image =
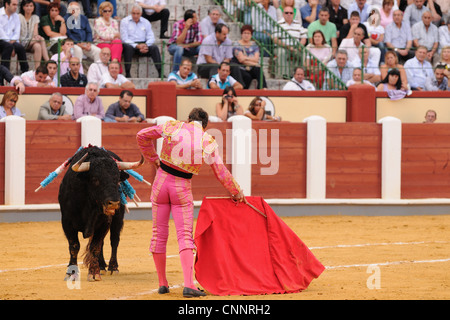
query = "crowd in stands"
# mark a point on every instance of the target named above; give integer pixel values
(360, 41)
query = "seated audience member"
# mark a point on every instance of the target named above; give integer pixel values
(114, 7)
(444, 35)
(74, 78)
(263, 28)
(371, 70)
(52, 68)
(356, 78)
(64, 56)
(289, 3)
(247, 55)
(123, 110)
(186, 38)
(216, 48)
(319, 48)
(14, 81)
(348, 29)
(155, 10)
(184, 78)
(418, 69)
(38, 78)
(10, 36)
(386, 13)
(298, 82)
(338, 14)
(327, 28)
(79, 30)
(391, 62)
(352, 45)
(229, 106)
(362, 7)
(341, 68)
(100, 67)
(414, 11)
(426, 34)
(438, 82)
(8, 104)
(86, 8)
(52, 27)
(138, 38)
(113, 79)
(445, 60)
(376, 31)
(392, 84)
(256, 111)
(54, 109)
(310, 12)
(208, 23)
(106, 32)
(430, 116)
(42, 7)
(398, 37)
(222, 78)
(89, 103)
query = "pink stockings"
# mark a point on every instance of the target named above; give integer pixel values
(170, 193)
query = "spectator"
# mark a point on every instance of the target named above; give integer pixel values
(215, 49)
(391, 82)
(263, 28)
(352, 45)
(391, 62)
(376, 32)
(229, 105)
(186, 38)
(288, 3)
(67, 50)
(369, 66)
(426, 34)
(418, 69)
(113, 79)
(42, 7)
(74, 78)
(362, 8)
(386, 13)
(89, 103)
(319, 48)
(123, 110)
(444, 35)
(10, 35)
(29, 37)
(341, 67)
(438, 82)
(430, 116)
(38, 78)
(298, 82)
(137, 37)
(53, 27)
(184, 78)
(155, 10)
(310, 12)
(14, 81)
(414, 12)
(327, 28)
(398, 37)
(52, 68)
(348, 29)
(445, 60)
(356, 78)
(107, 34)
(222, 79)
(208, 23)
(338, 15)
(100, 67)
(54, 109)
(256, 111)
(114, 7)
(86, 8)
(79, 30)
(246, 54)
(8, 104)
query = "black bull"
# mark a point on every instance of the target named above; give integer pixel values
(89, 198)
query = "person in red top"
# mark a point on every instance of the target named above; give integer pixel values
(185, 147)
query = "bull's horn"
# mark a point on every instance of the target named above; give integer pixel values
(81, 166)
(130, 165)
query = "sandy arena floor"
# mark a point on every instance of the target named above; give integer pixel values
(366, 258)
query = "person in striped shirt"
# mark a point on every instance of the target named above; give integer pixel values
(184, 78)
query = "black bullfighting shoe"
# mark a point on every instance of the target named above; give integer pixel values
(191, 293)
(163, 290)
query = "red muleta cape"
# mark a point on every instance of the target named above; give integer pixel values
(241, 252)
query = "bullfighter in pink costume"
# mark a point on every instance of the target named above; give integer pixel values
(185, 147)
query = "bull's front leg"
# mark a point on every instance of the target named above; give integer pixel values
(115, 229)
(72, 272)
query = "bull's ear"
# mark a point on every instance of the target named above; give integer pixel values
(130, 165)
(81, 166)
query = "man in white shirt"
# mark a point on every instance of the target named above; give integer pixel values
(298, 82)
(113, 79)
(138, 38)
(155, 10)
(208, 24)
(100, 67)
(361, 7)
(418, 69)
(9, 35)
(413, 12)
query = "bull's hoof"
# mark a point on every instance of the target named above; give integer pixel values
(94, 277)
(114, 272)
(72, 273)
